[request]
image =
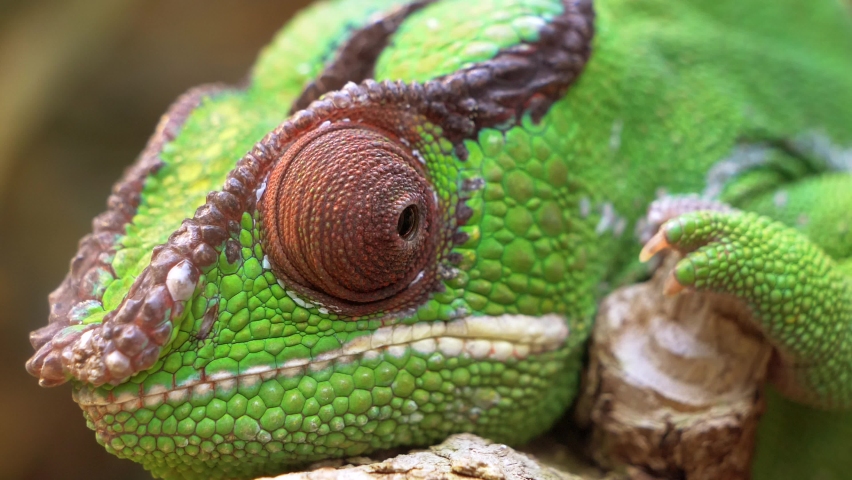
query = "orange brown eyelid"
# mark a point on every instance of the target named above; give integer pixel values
(349, 214)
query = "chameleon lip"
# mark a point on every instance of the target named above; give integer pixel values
(495, 338)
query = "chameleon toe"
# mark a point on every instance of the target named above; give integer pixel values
(655, 245)
(674, 281)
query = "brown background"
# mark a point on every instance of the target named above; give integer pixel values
(82, 85)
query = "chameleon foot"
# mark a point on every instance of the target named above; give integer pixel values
(795, 294)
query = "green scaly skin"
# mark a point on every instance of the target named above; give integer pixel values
(672, 89)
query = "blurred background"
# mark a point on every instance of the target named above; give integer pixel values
(82, 85)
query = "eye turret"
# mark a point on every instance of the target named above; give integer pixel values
(349, 215)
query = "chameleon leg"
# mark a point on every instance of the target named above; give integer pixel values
(819, 207)
(798, 296)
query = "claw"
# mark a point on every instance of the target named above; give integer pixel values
(656, 244)
(672, 286)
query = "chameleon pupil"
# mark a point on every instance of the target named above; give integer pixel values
(406, 227)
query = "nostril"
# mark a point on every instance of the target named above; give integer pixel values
(406, 225)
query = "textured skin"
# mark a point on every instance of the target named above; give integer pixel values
(798, 296)
(247, 376)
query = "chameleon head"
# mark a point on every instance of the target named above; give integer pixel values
(375, 272)
(350, 219)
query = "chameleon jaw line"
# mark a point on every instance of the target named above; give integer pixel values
(497, 338)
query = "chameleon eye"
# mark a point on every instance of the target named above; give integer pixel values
(349, 216)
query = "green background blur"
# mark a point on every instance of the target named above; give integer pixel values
(82, 85)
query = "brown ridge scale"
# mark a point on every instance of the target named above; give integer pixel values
(355, 60)
(528, 77)
(96, 249)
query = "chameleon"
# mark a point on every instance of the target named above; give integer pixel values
(400, 227)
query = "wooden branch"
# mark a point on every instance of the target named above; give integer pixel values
(460, 457)
(674, 385)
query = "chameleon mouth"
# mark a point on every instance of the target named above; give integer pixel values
(497, 338)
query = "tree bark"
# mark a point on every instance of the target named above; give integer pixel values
(460, 457)
(674, 386)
